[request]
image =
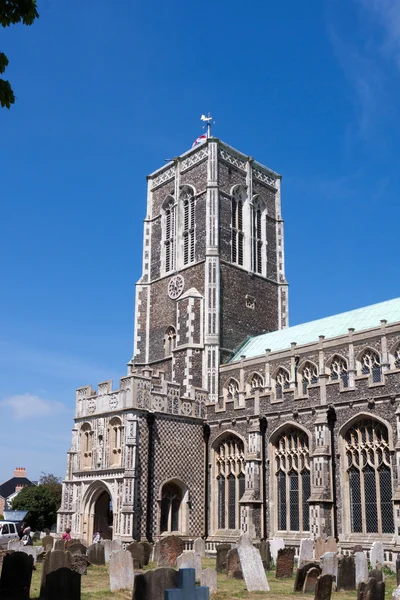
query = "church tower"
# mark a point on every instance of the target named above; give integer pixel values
(213, 264)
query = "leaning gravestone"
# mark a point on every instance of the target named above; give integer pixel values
(306, 551)
(222, 551)
(59, 545)
(361, 563)
(147, 547)
(48, 543)
(190, 560)
(63, 584)
(56, 559)
(95, 554)
(371, 590)
(301, 575)
(199, 546)
(310, 581)
(251, 564)
(152, 584)
(76, 547)
(16, 576)
(376, 574)
(137, 552)
(79, 563)
(208, 578)
(187, 589)
(346, 574)
(170, 548)
(111, 546)
(323, 588)
(329, 562)
(274, 545)
(233, 567)
(285, 563)
(121, 571)
(377, 555)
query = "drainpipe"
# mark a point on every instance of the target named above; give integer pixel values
(331, 414)
(150, 467)
(206, 437)
(263, 430)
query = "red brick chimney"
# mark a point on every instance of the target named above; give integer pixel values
(20, 472)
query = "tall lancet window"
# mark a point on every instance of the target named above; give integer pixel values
(237, 233)
(188, 203)
(258, 218)
(169, 234)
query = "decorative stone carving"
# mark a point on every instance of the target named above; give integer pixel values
(175, 286)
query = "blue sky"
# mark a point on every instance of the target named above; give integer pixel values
(104, 95)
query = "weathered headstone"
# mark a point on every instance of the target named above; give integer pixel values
(306, 551)
(34, 551)
(111, 546)
(190, 560)
(187, 589)
(265, 554)
(285, 563)
(329, 562)
(96, 555)
(137, 552)
(396, 593)
(208, 578)
(376, 574)
(371, 590)
(398, 569)
(79, 563)
(222, 551)
(233, 567)
(377, 555)
(121, 571)
(148, 548)
(47, 531)
(59, 545)
(323, 588)
(156, 552)
(16, 576)
(152, 584)
(346, 574)
(330, 545)
(274, 545)
(14, 545)
(170, 548)
(251, 565)
(76, 547)
(310, 581)
(357, 548)
(319, 547)
(56, 559)
(199, 546)
(361, 563)
(63, 584)
(48, 543)
(301, 575)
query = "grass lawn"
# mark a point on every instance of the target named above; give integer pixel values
(96, 585)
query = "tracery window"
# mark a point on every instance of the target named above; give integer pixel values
(371, 365)
(258, 236)
(86, 445)
(369, 477)
(293, 482)
(237, 233)
(169, 341)
(230, 470)
(397, 358)
(115, 441)
(188, 203)
(169, 234)
(309, 376)
(232, 390)
(339, 370)
(171, 500)
(282, 382)
(256, 381)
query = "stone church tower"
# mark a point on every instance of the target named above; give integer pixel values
(213, 264)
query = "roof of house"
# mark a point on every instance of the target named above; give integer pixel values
(336, 325)
(8, 487)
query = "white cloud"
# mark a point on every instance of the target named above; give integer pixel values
(28, 406)
(387, 12)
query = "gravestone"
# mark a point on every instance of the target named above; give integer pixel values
(56, 559)
(222, 551)
(96, 555)
(376, 574)
(346, 574)
(16, 576)
(357, 548)
(323, 588)
(398, 569)
(75, 547)
(47, 531)
(36, 536)
(152, 584)
(396, 593)
(208, 578)
(285, 563)
(274, 545)
(79, 563)
(137, 552)
(233, 568)
(63, 584)
(377, 555)
(190, 560)
(121, 571)
(14, 545)
(59, 545)
(265, 554)
(147, 547)
(330, 545)
(319, 547)
(48, 543)
(361, 563)
(199, 546)
(371, 590)
(109, 547)
(170, 548)
(310, 581)
(251, 565)
(187, 589)
(156, 552)
(329, 562)
(301, 575)
(306, 551)
(34, 551)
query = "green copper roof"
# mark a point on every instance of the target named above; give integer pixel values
(359, 319)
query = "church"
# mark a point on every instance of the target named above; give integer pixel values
(228, 420)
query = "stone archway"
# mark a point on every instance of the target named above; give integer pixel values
(97, 511)
(103, 515)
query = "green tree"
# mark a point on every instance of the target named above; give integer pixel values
(53, 484)
(40, 502)
(11, 12)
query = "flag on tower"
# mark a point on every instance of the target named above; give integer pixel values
(199, 140)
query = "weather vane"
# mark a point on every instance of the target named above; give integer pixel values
(208, 122)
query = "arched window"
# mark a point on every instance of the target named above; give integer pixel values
(232, 390)
(115, 442)
(237, 233)
(371, 365)
(169, 341)
(282, 382)
(230, 471)
(339, 370)
(169, 234)
(309, 376)
(86, 444)
(258, 234)
(369, 477)
(256, 381)
(188, 204)
(396, 355)
(293, 483)
(171, 500)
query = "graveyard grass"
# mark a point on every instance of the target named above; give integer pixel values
(96, 584)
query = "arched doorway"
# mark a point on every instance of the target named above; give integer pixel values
(97, 511)
(103, 516)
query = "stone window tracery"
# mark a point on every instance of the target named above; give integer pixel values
(371, 365)
(397, 358)
(293, 482)
(308, 376)
(188, 203)
(282, 382)
(230, 474)
(169, 341)
(258, 235)
(86, 444)
(237, 233)
(115, 442)
(339, 370)
(256, 381)
(232, 390)
(369, 477)
(171, 500)
(169, 234)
